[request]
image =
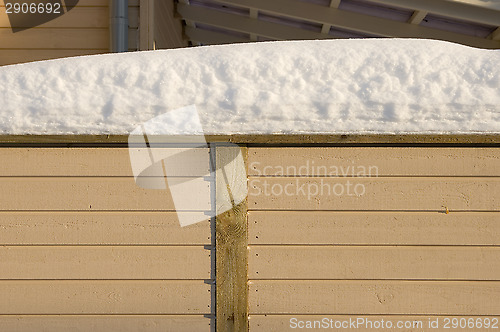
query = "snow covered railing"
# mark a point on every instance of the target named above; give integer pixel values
(336, 87)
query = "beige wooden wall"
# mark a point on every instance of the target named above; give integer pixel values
(83, 30)
(422, 242)
(83, 248)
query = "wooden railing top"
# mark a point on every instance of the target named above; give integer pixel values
(269, 139)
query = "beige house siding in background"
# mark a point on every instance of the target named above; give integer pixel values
(83, 30)
(83, 248)
(422, 242)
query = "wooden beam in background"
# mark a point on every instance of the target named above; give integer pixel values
(454, 9)
(245, 24)
(326, 27)
(495, 35)
(254, 14)
(417, 17)
(207, 37)
(358, 22)
(188, 22)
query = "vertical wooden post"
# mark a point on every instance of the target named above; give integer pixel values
(231, 244)
(146, 25)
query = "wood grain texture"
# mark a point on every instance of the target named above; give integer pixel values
(100, 228)
(431, 194)
(278, 323)
(358, 262)
(95, 162)
(379, 161)
(106, 323)
(373, 228)
(231, 246)
(119, 193)
(45, 297)
(94, 262)
(374, 297)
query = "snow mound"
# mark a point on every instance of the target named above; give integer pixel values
(329, 86)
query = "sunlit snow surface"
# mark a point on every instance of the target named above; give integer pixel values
(329, 86)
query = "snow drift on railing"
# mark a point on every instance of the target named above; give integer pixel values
(332, 86)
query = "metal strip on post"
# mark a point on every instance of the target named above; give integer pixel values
(231, 243)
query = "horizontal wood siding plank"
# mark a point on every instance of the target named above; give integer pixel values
(53, 38)
(374, 228)
(80, 17)
(381, 161)
(97, 162)
(106, 323)
(430, 194)
(9, 57)
(45, 297)
(375, 297)
(100, 228)
(278, 323)
(94, 262)
(357, 262)
(120, 193)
